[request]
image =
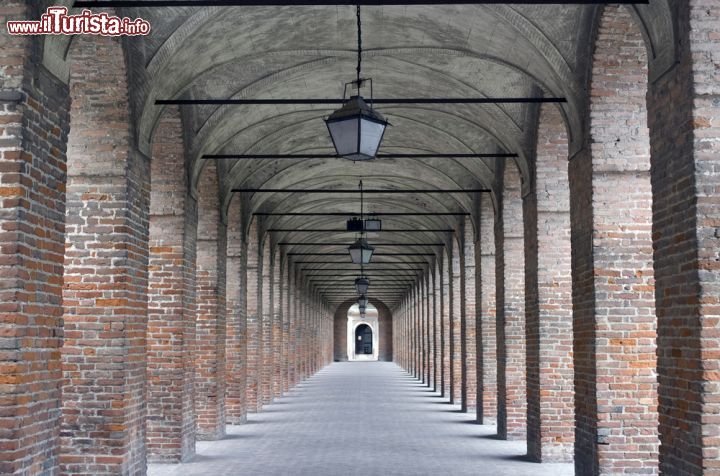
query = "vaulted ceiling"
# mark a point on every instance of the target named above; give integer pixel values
(409, 51)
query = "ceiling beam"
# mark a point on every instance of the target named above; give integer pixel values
(357, 191)
(346, 254)
(247, 3)
(335, 156)
(346, 262)
(348, 244)
(314, 101)
(343, 230)
(350, 214)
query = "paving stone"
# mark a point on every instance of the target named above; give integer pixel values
(361, 418)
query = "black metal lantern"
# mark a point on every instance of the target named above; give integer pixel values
(362, 310)
(361, 285)
(363, 301)
(356, 130)
(360, 251)
(362, 315)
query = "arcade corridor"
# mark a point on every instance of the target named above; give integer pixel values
(253, 236)
(361, 419)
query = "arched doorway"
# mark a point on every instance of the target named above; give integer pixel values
(363, 340)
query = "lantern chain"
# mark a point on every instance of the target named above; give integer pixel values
(359, 34)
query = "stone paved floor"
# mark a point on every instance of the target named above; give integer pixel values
(364, 419)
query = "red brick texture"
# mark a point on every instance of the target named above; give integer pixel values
(437, 319)
(34, 128)
(266, 325)
(106, 271)
(210, 328)
(446, 266)
(548, 297)
(171, 300)
(486, 317)
(469, 318)
(510, 273)
(613, 285)
(254, 336)
(683, 112)
(456, 311)
(236, 302)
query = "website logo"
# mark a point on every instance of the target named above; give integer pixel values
(56, 21)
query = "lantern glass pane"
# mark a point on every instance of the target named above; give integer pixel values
(345, 135)
(356, 255)
(371, 134)
(367, 255)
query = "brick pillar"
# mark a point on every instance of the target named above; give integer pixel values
(469, 317)
(613, 292)
(105, 282)
(236, 297)
(253, 314)
(34, 124)
(486, 317)
(277, 326)
(683, 112)
(285, 290)
(437, 315)
(427, 292)
(211, 310)
(171, 300)
(548, 297)
(432, 338)
(292, 325)
(267, 324)
(510, 272)
(446, 270)
(456, 305)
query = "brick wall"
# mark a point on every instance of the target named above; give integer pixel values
(456, 320)
(236, 301)
(171, 299)
(683, 112)
(613, 285)
(105, 276)
(469, 317)
(34, 125)
(510, 324)
(254, 336)
(486, 327)
(210, 327)
(266, 325)
(548, 296)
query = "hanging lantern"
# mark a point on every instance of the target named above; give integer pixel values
(361, 285)
(362, 310)
(362, 315)
(356, 130)
(361, 252)
(363, 301)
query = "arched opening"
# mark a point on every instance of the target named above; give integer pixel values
(363, 337)
(363, 340)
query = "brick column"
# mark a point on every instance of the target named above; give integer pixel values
(456, 305)
(432, 327)
(683, 112)
(292, 325)
(171, 300)
(277, 326)
(427, 292)
(548, 297)
(613, 293)
(469, 317)
(266, 372)
(105, 282)
(444, 283)
(437, 316)
(286, 352)
(34, 124)
(510, 271)
(236, 296)
(486, 317)
(211, 310)
(253, 314)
